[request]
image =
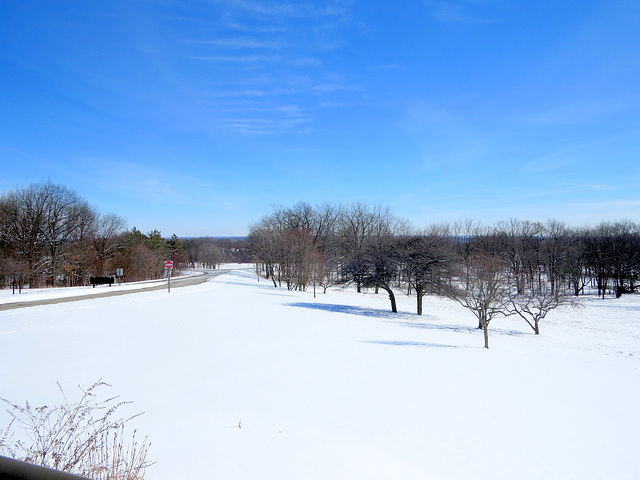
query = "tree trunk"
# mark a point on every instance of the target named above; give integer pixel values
(419, 296)
(485, 330)
(392, 299)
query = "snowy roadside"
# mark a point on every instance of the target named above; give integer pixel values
(37, 294)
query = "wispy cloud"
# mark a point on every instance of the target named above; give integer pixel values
(334, 9)
(144, 183)
(261, 59)
(239, 43)
(456, 12)
(273, 120)
(553, 161)
(130, 179)
(334, 87)
(387, 66)
(156, 187)
(257, 93)
(268, 126)
(256, 29)
(598, 187)
(274, 52)
(579, 113)
(265, 8)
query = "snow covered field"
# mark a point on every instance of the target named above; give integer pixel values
(243, 381)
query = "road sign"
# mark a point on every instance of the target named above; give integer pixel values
(168, 265)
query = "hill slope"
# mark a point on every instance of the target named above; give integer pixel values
(243, 381)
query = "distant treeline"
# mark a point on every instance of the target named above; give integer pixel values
(210, 252)
(304, 245)
(50, 236)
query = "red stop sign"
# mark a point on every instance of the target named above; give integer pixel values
(168, 264)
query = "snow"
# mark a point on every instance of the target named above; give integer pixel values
(239, 380)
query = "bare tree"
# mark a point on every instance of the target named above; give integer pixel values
(465, 235)
(41, 221)
(66, 217)
(204, 252)
(377, 265)
(266, 241)
(576, 270)
(23, 215)
(612, 254)
(624, 255)
(518, 242)
(487, 292)
(364, 232)
(426, 262)
(556, 242)
(316, 265)
(292, 241)
(533, 305)
(356, 223)
(210, 255)
(106, 240)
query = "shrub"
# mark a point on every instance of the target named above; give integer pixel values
(86, 438)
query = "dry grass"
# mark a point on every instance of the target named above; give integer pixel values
(87, 437)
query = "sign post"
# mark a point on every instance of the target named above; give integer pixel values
(168, 265)
(119, 274)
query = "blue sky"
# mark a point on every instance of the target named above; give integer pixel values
(197, 117)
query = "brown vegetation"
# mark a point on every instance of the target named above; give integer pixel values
(49, 236)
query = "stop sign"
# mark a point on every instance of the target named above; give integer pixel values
(168, 264)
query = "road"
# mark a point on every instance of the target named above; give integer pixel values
(175, 283)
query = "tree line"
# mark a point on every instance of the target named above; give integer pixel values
(50, 236)
(514, 267)
(210, 252)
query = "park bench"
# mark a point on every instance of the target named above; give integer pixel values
(101, 281)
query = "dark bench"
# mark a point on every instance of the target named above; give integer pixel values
(101, 281)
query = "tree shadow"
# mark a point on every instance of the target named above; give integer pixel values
(348, 309)
(440, 327)
(464, 329)
(265, 285)
(405, 319)
(403, 343)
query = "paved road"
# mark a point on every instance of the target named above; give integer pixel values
(175, 283)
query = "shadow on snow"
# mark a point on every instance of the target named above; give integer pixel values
(348, 309)
(403, 343)
(404, 319)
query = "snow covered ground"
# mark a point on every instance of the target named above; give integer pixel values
(240, 380)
